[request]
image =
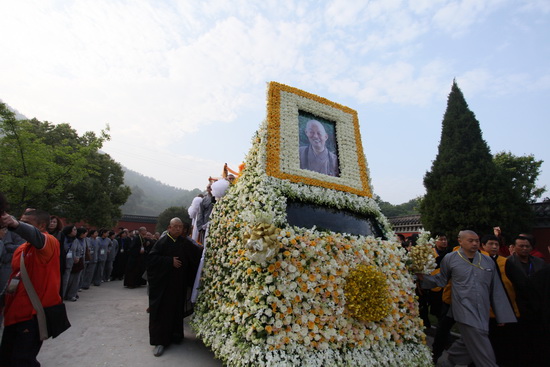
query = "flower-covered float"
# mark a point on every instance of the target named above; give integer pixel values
(301, 267)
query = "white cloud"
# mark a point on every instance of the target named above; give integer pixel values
(535, 6)
(179, 170)
(344, 12)
(422, 7)
(456, 17)
(482, 81)
(158, 71)
(401, 83)
(132, 56)
(373, 26)
(474, 81)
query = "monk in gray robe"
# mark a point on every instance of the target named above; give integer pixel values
(476, 287)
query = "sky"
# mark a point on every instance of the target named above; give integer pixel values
(182, 84)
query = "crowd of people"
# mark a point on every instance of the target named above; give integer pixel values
(89, 257)
(497, 294)
(78, 258)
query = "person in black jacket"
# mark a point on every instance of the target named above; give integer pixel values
(171, 268)
(135, 266)
(520, 269)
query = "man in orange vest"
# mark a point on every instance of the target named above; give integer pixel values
(21, 340)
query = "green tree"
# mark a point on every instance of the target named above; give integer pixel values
(31, 174)
(51, 167)
(100, 195)
(390, 210)
(463, 187)
(174, 211)
(522, 172)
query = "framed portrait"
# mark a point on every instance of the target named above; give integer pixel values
(317, 150)
(314, 141)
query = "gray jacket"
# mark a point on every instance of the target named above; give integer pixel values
(476, 287)
(92, 247)
(205, 209)
(11, 242)
(113, 251)
(74, 249)
(103, 248)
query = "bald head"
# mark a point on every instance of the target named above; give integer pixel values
(465, 232)
(314, 123)
(38, 218)
(175, 220)
(175, 228)
(469, 242)
(317, 135)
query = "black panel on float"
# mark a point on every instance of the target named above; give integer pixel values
(307, 215)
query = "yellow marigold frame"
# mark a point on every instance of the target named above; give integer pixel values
(274, 166)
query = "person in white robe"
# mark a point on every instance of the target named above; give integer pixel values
(193, 212)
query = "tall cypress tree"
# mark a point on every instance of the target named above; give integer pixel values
(463, 190)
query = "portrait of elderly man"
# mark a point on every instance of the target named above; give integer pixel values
(315, 156)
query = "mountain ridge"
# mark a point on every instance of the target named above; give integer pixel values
(151, 196)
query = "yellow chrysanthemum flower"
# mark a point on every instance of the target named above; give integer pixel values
(366, 293)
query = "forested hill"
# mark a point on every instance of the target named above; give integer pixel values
(390, 210)
(151, 197)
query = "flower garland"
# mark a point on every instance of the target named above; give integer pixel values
(261, 242)
(283, 104)
(275, 295)
(422, 255)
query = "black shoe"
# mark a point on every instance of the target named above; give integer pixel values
(159, 349)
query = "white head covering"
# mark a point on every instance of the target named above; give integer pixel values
(219, 188)
(194, 207)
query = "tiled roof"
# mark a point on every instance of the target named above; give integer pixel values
(405, 220)
(139, 218)
(406, 223)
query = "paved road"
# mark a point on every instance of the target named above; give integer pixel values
(110, 328)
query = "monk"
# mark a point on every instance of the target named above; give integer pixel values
(171, 268)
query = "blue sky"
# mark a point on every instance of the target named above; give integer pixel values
(182, 84)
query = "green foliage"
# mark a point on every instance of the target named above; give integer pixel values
(51, 167)
(174, 211)
(522, 173)
(101, 193)
(390, 210)
(465, 189)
